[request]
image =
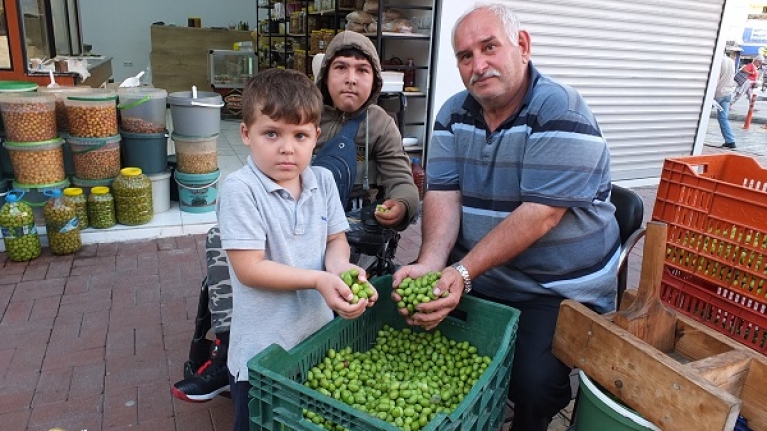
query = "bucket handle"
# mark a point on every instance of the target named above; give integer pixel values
(207, 105)
(197, 188)
(135, 103)
(89, 149)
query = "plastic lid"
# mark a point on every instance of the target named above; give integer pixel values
(28, 97)
(54, 193)
(100, 190)
(95, 95)
(14, 195)
(17, 86)
(73, 191)
(139, 92)
(176, 136)
(130, 172)
(416, 160)
(33, 145)
(94, 141)
(69, 89)
(42, 187)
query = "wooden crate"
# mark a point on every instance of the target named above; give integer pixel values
(676, 372)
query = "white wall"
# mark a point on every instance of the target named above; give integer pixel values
(121, 29)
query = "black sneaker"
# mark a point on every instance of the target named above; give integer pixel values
(211, 379)
(730, 145)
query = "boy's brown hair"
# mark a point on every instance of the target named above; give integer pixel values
(282, 94)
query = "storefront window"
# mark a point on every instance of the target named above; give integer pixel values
(35, 31)
(5, 52)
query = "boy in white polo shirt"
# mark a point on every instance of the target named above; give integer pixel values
(282, 226)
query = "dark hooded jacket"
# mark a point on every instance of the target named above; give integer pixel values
(389, 165)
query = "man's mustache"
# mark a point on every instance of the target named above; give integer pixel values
(489, 73)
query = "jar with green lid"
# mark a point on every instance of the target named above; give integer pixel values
(61, 224)
(101, 208)
(17, 224)
(133, 197)
(74, 196)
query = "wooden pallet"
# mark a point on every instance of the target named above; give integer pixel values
(677, 373)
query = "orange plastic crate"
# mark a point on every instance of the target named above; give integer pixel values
(727, 311)
(715, 207)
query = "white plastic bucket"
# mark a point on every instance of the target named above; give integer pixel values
(160, 191)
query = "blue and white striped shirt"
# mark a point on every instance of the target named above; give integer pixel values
(551, 151)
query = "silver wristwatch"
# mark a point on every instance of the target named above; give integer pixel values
(465, 274)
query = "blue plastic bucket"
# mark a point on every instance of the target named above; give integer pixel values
(197, 193)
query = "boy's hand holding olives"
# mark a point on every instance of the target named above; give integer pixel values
(340, 296)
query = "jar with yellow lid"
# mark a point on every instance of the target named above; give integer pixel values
(101, 208)
(74, 196)
(133, 197)
(61, 223)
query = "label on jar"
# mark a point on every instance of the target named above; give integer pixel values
(18, 232)
(71, 225)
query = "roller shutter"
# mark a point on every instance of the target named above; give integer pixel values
(643, 66)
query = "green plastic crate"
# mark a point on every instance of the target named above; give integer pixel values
(278, 396)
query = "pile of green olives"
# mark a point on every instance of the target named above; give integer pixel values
(406, 378)
(360, 289)
(418, 291)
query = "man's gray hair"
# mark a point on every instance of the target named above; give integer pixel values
(503, 12)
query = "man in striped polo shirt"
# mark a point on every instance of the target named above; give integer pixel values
(518, 180)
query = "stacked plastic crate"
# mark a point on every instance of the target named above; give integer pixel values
(716, 252)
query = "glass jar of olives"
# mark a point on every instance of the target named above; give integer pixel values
(133, 197)
(74, 196)
(17, 224)
(61, 224)
(101, 208)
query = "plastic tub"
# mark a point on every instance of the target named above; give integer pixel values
(148, 151)
(92, 114)
(597, 411)
(61, 93)
(160, 191)
(142, 110)
(197, 193)
(196, 117)
(37, 164)
(96, 158)
(29, 117)
(196, 155)
(87, 185)
(15, 87)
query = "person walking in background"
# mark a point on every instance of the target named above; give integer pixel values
(723, 96)
(518, 201)
(747, 87)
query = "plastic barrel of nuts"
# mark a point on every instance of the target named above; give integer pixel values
(37, 164)
(95, 158)
(29, 117)
(142, 109)
(195, 155)
(16, 87)
(92, 114)
(61, 93)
